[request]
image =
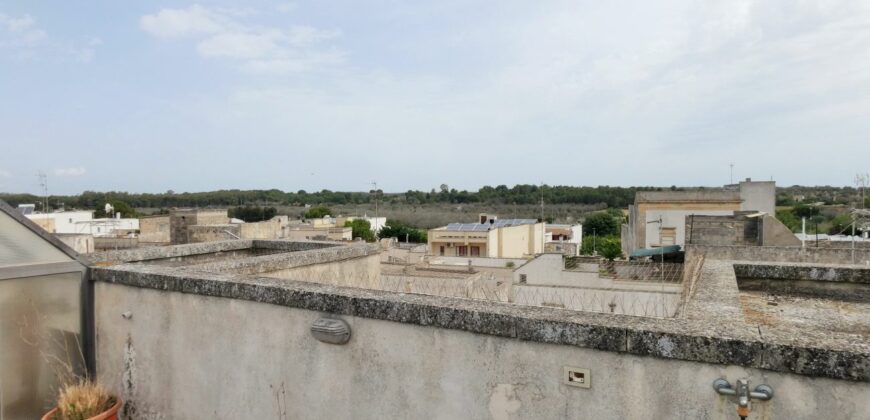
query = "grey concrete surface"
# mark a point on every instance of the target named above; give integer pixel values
(189, 356)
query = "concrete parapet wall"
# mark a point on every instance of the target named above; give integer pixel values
(210, 233)
(477, 261)
(709, 340)
(79, 242)
(106, 243)
(244, 350)
(782, 254)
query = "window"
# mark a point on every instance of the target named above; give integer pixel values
(475, 251)
(669, 236)
(523, 278)
(462, 251)
(442, 251)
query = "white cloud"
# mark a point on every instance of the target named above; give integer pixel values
(241, 45)
(20, 32)
(70, 172)
(25, 40)
(221, 34)
(286, 7)
(194, 20)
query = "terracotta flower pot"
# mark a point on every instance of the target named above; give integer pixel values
(110, 414)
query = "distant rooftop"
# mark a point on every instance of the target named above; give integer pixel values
(717, 194)
(482, 227)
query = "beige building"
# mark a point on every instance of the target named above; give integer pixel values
(154, 229)
(658, 218)
(180, 220)
(311, 233)
(493, 238)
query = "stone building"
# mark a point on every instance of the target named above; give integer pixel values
(658, 218)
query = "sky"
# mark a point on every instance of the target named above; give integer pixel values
(333, 94)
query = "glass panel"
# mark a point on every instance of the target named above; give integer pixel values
(20, 246)
(40, 332)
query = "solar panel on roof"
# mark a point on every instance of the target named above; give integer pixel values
(481, 227)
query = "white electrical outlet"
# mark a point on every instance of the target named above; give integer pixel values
(578, 377)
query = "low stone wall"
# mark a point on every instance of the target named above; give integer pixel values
(104, 243)
(477, 261)
(244, 350)
(783, 254)
(210, 233)
(79, 242)
(843, 283)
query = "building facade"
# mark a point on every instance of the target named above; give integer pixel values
(564, 239)
(506, 238)
(658, 218)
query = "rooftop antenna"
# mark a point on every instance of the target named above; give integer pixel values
(542, 201)
(375, 186)
(861, 183)
(732, 173)
(43, 184)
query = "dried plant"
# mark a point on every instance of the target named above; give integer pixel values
(82, 401)
(78, 398)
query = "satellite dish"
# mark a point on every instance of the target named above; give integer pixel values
(109, 208)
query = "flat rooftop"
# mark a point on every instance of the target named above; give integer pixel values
(482, 227)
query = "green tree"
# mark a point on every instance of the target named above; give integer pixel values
(589, 244)
(610, 248)
(317, 212)
(841, 225)
(253, 213)
(120, 207)
(789, 219)
(803, 210)
(361, 229)
(600, 224)
(402, 232)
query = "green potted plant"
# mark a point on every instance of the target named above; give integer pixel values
(85, 400)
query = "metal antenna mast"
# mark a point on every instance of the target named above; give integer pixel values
(732, 173)
(375, 186)
(861, 183)
(43, 184)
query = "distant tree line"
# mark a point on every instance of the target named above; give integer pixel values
(253, 213)
(611, 197)
(518, 194)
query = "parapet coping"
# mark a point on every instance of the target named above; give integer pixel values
(715, 339)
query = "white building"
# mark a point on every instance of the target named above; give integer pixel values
(563, 238)
(82, 222)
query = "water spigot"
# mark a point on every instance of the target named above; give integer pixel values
(761, 392)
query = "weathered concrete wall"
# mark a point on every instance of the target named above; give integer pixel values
(564, 247)
(783, 254)
(758, 196)
(544, 282)
(181, 220)
(274, 228)
(109, 243)
(80, 242)
(363, 271)
(847, 283)
(184, 355)
(154, 229)
(477, 262)
(735, 229)
(209, 233)
(774, 233)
